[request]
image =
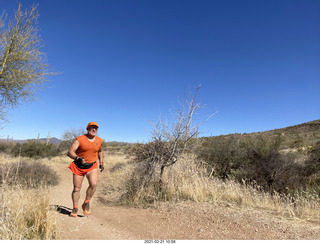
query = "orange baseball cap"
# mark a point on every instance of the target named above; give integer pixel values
(93, 123)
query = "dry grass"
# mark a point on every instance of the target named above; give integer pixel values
(24, 212)
(187, 180)
(118, 172)
(26, 215)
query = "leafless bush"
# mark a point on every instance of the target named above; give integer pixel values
(27, 174)
(69, 136)
(169, 141)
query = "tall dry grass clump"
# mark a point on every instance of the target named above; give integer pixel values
(24, 201)
(189, 181)
(116, 176)
(25, 215)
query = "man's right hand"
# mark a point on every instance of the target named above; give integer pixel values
(79, 160)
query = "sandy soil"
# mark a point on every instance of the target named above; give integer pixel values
(182, 221)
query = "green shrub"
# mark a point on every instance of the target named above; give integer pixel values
(34, 149)
(271, 169)
(256, 158)
(312, 169)
(313, 162)
(223, 154)
(6, 147)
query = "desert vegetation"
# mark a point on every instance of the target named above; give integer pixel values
(194, 179)
(24, 200)
(31, 149)
(267, 170)
(265, 160)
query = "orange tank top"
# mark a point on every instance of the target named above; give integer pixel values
(87, 149)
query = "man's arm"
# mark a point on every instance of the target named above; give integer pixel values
(73, 148)
(100, 155)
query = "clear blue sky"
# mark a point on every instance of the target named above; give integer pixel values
(125, 62)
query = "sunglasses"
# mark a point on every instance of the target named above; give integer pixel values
(93, 128)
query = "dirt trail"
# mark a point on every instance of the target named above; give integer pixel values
(183, 221)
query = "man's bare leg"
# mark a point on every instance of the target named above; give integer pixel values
(92, 177)
(77, 183)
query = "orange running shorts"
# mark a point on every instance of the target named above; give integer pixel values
(81, 172)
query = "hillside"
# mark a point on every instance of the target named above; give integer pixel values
(301, 135)
(301, 128)
(296, 136)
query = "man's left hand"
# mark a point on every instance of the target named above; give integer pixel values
(101, 167)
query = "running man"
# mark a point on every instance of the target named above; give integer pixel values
(85, 151)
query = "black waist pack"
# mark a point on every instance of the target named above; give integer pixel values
(80, 165)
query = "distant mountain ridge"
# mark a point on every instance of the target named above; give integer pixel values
(52, 140)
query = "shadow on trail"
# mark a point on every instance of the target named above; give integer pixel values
(64, 210)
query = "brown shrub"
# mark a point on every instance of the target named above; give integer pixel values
(28, 174)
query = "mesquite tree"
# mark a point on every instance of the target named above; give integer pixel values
(169, 141)
(23, 67)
